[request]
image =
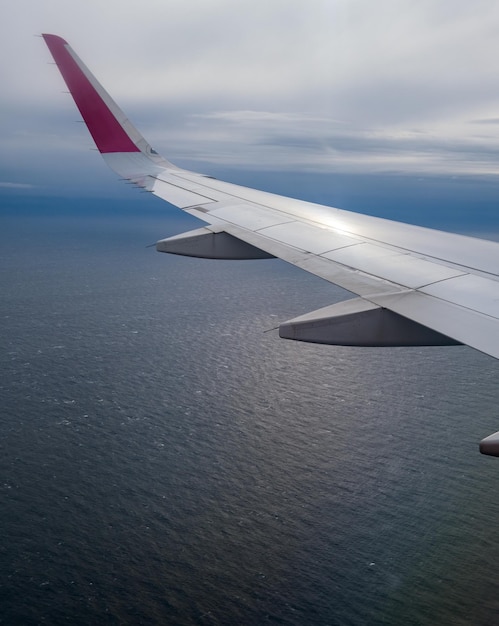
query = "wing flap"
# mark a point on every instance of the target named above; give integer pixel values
(397, 267)
(472, 292)
(181, 197)
(313, 239)
(348, 278)
(462, 324)
(253, 218)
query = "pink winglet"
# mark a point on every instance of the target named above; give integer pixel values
(106, 130)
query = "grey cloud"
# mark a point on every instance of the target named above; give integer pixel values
(490, 120)
(9, 185)
(335, 85)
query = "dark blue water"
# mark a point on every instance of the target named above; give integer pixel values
(164, 460)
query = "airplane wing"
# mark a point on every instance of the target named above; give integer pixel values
(415, 286)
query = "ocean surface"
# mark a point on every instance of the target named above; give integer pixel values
(166, 460)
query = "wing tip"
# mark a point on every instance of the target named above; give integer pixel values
(54, 39)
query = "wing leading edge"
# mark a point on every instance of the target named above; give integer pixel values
(416, 286)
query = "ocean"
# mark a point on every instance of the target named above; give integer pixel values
(167, 459)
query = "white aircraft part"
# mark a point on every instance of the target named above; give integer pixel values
(314, 239)
(357, 322)
(255, 219)
(209, 244)
(490, 445)
(397, 267)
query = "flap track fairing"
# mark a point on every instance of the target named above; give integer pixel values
(206, 243)
(358, 322)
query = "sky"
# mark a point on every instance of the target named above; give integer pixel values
(336, 87)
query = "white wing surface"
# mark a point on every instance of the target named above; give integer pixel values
(415, 286)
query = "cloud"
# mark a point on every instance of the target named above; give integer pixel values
(296, 141)
(9, 185)
(345, 85)
(490, 120)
